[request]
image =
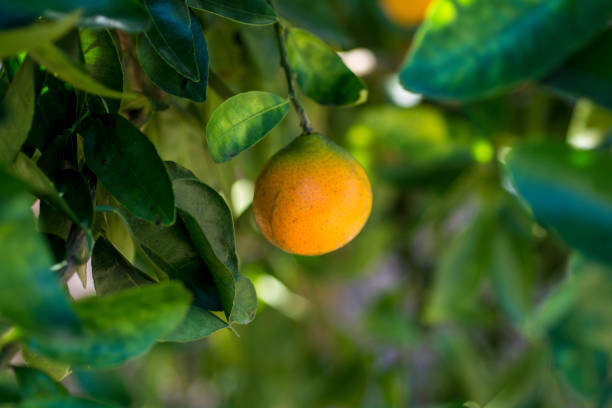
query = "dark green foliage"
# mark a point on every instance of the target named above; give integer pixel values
(481, 280)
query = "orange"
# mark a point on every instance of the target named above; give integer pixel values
(312, 197)
(405, 12)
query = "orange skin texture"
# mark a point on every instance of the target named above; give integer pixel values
(312, 197)
(405, 12)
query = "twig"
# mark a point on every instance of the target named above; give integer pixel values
(299, 108)
(219, 86)
(7, 354)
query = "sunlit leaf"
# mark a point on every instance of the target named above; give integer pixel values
(103, 62)
(241, 121)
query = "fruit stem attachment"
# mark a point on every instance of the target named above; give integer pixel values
(297, 105)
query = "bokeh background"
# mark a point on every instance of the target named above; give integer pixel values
(436, 303)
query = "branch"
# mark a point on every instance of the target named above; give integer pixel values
(299, 108)
(220, 87)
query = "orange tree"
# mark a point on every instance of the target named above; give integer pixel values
(120, 127)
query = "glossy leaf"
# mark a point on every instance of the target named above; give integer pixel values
(588, 73)
(568, 191)
(241, 121)
(15, 40)
(30, 293)
(36, 384)
(166, 77)
(19, 112)
(320, 72)
(128, 165)
(211, 228)
(500, 55)
(103, 62)
(118, 326)
(257, 12)
(56, 61)
(126, 15)
(111, 272)
(170, 35)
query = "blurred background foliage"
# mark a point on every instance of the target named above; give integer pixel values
(451, 293)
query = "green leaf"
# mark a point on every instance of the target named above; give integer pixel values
(18, 104)
(111, 272)
(36, 384)
(245, 301)
(242, 121)
(57, 62)
(172, 251)
(69, 194)
(170, 35)
(117, 327)
(588, 73)
(466, 50)
(15, 40)
(63, 402)
(198, 323)
(55, 114)
(209, 222)
(126, 15)
(257, 12)
(510, 276)
(129, 167)
(103, 62)
(459, 273)
(166, 77)
(57, 371)
(30, 294)
(321, 74)
(569, 191)
(117, 230)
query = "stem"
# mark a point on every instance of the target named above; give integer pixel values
(299, 108)
(7, 354)
(220, 87)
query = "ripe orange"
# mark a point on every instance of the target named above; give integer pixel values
(312, 197)
(405, 12)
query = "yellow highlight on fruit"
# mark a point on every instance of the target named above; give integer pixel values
(312, 197)
(405, 12)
